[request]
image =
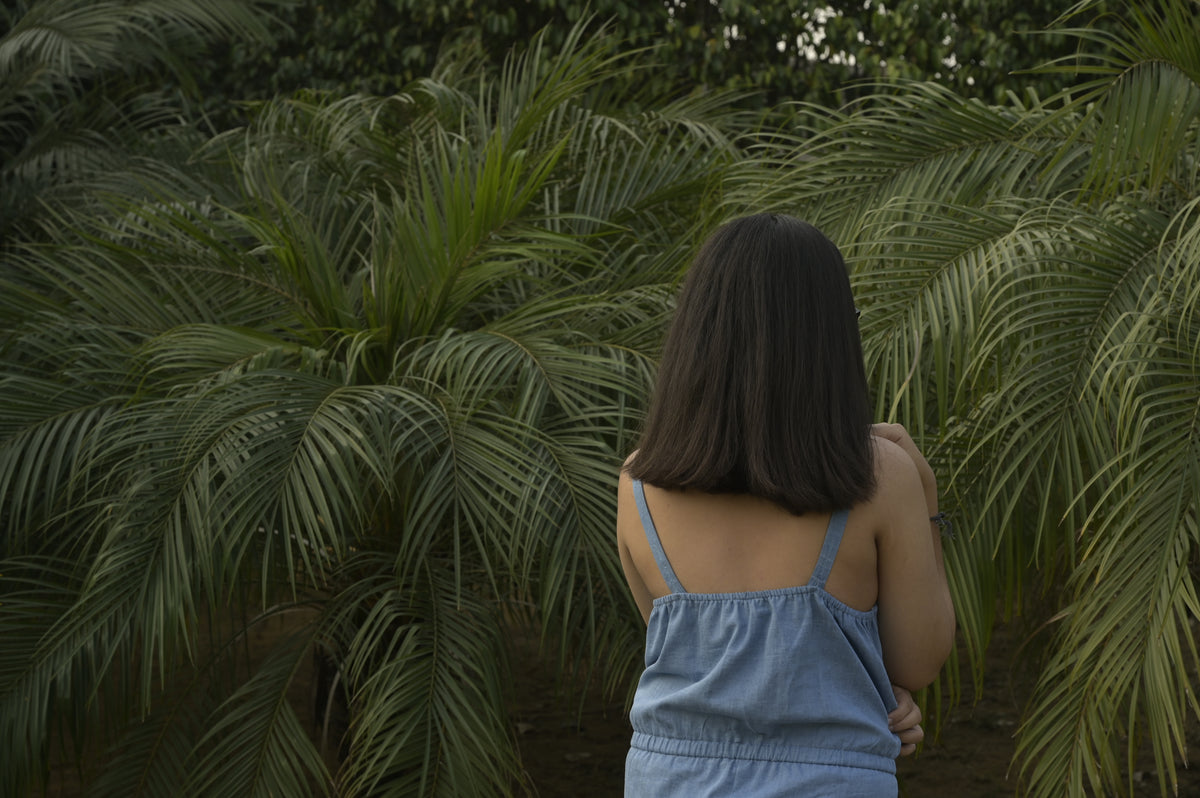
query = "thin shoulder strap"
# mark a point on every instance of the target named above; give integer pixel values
(829, 549)
(660, 556)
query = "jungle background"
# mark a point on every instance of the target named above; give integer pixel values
(325, 327)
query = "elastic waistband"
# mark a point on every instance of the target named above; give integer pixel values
(764, 752)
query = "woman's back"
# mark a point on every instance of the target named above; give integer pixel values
(729, 543)
(754, 688)
(736, 542)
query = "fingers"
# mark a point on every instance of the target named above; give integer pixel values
(905, 721)
(906, 714)
(893, 432)
(909, 739)
(897, 434)
(908, 720)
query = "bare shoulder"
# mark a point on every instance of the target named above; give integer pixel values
(894, 470)
(889, 452)
(898, 491)
(624, 497)
(623, 476)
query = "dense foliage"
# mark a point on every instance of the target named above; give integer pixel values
(1029, 276)
(82, 80)
(368, 364)
(788, 49)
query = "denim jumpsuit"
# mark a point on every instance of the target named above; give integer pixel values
(761, 694)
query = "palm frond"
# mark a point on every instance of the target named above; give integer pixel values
(425, 671)
(382, 355)
(254, 744)
(77, 94)
(1152, 54)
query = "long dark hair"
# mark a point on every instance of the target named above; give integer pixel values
(761, 388)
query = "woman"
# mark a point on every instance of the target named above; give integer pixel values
(781, 547)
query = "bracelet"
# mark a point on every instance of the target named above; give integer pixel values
(944, 525)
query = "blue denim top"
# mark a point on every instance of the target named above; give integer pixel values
(790, 675)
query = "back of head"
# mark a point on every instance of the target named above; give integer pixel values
(761, 388)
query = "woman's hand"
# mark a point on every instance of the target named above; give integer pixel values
(905, 721)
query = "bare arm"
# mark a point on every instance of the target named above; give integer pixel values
(916, 615)
(629, 523)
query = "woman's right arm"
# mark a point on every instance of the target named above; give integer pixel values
(916, 615)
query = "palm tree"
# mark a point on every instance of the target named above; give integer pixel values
(82, 86)
(367, 365)
(1028, 278)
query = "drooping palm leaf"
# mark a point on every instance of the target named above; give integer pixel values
(379, 356)
(1027, 275)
